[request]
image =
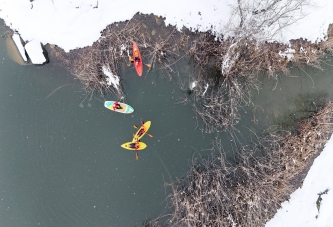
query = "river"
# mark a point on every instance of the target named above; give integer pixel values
(61, 163)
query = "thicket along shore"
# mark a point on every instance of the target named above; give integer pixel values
(248, 192)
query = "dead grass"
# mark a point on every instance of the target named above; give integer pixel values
(218, 96)
(114, 48)
(110, 51)
(239, 63)
(249, 191)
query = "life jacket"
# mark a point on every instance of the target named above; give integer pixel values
(141, 132)
(137, 145)
(114, 106)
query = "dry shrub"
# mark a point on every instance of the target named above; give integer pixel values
(113, 49)
(108, 53)
(249, 191)
(163, 52)
(245, 51)
(236, 62)
(239, 62)
(308, 53)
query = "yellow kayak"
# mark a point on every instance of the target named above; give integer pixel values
(141, 132)
(130, 146)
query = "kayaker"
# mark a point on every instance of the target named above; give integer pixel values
(141, 132)
(116, 106)
(136, 56)
(135, 145)
(142, 129)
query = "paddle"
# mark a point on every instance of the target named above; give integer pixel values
(150, 135)
(148, 65)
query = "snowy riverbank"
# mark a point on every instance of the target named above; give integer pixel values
(304, 207)
(78, 23)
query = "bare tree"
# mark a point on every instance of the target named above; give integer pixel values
(246, 49)
(263, 20)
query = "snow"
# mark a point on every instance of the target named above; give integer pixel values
(78, 23)
(314, 25)
(206, 88)
(122, 49)
(231, 221)
(289, 53)
(111, 78)
(17, 40)
(193, 85)
(227, 62)
(308, 19)
(35, 52)
(301, 210)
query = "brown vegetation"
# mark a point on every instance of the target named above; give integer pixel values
(225, 69)
(109, 52)
(249, 191)
(244, 54)
(113, 49)
(240, 62)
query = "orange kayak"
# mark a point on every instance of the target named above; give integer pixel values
(137, 59)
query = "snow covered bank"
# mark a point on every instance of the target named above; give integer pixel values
(77, 23)
(33, 49)
(17, 40)
(302, 208)
(35, 52)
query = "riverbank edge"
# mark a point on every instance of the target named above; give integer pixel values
(225, 69)
(250, 191)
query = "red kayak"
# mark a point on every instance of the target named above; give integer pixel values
(137, 59)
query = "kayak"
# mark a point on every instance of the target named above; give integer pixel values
(138, 135)
(126, 109)
(128, 146)
(137, 63)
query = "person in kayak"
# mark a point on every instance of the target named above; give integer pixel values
(116, 106)
(142, 130)
(136, 57)
(135, 145)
